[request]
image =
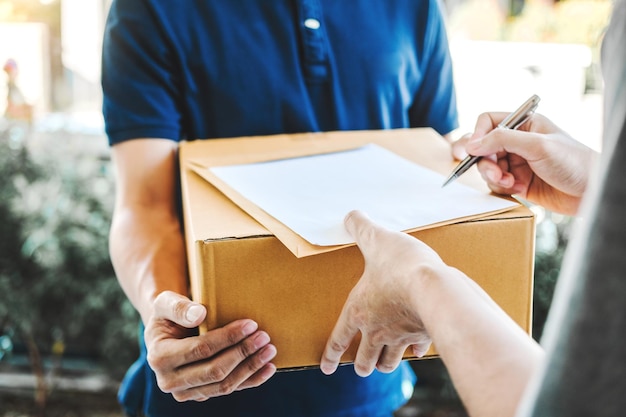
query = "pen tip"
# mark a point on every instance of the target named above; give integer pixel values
(448, 181)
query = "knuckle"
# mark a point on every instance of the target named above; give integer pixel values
(166, 385)
(156, 361)
(368, 234)
(179, 307)
(227, 387)
(386, 367)
(215, 373)
(362, 369)
(356, 314)
(201, 398)
(254, 364)
(233, 336)
(183, 396)
(161, 298)
(247, 348)
(379, 337)
(337, 345)
(202, 349)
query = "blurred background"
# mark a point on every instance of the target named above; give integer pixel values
(67, 334)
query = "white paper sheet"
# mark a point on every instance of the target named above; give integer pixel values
(312, 195)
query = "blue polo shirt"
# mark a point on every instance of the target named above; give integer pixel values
(201, 69)
(190, 69)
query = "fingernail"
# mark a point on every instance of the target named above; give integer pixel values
(261, 340)
(419, 352)
(194, 312)
(267, 371)
(328, 369)
(268, 353)
(491, 175)
(249, 328)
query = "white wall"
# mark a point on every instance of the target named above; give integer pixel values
(499, 76)
(82, 26)
(28, 45)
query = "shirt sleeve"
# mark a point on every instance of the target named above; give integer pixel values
(584, 335)
(435, 105)
(138, 78)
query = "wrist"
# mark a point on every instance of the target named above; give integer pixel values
(434, 286)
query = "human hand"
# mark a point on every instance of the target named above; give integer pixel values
(232, 358)
(539, 162)
(458, 147)
(381, 306)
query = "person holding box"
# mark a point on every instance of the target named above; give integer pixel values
(186, 70)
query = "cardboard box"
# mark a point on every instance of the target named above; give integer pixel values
(238, 269)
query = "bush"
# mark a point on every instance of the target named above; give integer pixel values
(552, 237)
(57, 285)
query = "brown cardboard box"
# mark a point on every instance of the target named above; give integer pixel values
(240, 270)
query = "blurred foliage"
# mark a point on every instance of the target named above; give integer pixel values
(553, 232)
(56, 280)
(32, 11)
(545, 21)
(568, 21)
(565, 21)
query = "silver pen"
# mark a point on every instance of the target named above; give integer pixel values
(512, 121)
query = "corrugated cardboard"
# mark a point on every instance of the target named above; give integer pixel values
(240, 270)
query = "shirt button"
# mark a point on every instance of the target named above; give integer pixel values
(312, 23)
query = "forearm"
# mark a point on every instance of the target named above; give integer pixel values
(148, 254)
(488, 356)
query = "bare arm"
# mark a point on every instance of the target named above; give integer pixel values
(488, 356)
(148, 253)
(407, 297)
(146, 243)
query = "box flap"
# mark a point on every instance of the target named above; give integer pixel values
(423, 146)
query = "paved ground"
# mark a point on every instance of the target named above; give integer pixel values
(81, 393)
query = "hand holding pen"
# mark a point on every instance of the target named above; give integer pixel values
(512, 121)
(539, 163)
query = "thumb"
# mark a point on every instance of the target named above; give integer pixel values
(179, 309)
(359, 225)
(458, 147)
(365, 232)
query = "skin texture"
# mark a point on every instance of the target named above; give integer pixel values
(397, 304)
(151, 268)
(408, 297)
(539, 162)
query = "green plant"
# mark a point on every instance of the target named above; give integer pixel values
(58, 291)
(552, 238)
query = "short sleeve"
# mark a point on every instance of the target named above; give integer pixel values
(435, 105)
(138, 78)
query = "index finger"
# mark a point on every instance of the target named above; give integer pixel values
(486, 122)
(173, 353)
(338, 342)
(525, 144)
